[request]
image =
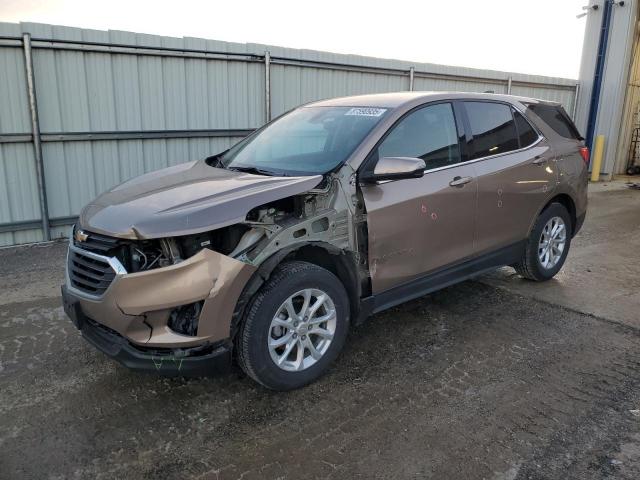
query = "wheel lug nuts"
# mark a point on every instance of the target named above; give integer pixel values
(304, 337)
(295, 335)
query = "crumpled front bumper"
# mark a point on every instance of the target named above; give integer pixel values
(195, 361)
(137, 306)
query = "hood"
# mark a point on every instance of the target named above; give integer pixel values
(187, 198)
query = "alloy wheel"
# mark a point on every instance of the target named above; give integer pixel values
(302, 330)
(552, 243)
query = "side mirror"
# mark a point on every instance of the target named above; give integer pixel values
(395, 168)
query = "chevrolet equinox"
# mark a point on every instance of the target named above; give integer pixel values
(266, 253)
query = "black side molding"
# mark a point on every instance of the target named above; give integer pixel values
(441, 278)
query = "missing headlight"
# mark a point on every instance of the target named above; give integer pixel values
(223, 240)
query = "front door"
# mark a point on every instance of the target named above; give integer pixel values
(420, 225)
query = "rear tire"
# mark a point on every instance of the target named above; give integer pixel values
(547, 246)
(283, 342)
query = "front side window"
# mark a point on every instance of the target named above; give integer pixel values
(492, 127)
(428, 133)
(306, 141)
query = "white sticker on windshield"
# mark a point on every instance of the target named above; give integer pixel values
(366, 111)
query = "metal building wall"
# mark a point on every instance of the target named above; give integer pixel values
(610, 119)
(113, 105)
(631, 112)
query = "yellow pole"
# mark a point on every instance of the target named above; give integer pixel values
(598, 152)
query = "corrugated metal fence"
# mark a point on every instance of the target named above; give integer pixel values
(108, 105)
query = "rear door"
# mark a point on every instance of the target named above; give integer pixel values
(516, 173)
(419, 225)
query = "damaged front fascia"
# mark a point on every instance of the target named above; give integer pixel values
(138, 305)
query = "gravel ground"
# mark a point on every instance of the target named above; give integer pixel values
(472, 382)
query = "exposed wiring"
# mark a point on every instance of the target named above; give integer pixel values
(154, 261)
(145, 258)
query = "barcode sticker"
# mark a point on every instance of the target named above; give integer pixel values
(366, 111)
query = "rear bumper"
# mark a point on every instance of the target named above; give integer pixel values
(203, 360)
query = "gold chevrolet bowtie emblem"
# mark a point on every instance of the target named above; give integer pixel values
(80, 236)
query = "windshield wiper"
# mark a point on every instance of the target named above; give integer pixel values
(255, 170)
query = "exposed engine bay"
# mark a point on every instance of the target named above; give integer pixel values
(317, 215)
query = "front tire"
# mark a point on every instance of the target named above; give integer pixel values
(295, 326)
(547, 246)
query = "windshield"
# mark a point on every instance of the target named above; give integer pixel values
(306, 141)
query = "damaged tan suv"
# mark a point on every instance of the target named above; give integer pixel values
(266, 253)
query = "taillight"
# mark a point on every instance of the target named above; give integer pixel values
(584, 152)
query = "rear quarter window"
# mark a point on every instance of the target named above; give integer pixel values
(557, 119)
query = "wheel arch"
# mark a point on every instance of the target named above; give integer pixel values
(340, 262)
(565, 200)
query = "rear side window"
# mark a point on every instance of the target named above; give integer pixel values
(492, 127)
(526, 134)
(557, 119)
(428, 133)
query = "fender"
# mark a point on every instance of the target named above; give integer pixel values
(344, 261)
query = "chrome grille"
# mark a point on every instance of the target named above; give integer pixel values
(89, 273)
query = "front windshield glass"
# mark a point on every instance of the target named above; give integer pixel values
(306, 141)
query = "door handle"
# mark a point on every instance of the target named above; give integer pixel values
(539, 160)
(460, 181)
